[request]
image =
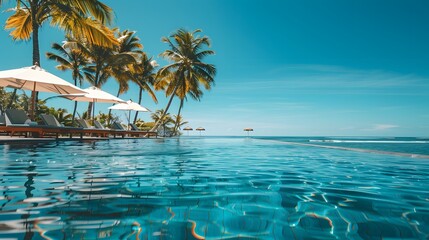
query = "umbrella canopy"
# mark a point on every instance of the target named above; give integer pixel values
(94, 94)
(188, 129)
(248, 130)
(200, 129)
(128, 106)
(36, 79)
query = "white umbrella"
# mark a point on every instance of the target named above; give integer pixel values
(94, 95)
(129, 106)
(36, 79)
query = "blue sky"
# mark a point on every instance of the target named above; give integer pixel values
(289, 68)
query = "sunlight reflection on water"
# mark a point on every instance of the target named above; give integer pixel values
(214, 188)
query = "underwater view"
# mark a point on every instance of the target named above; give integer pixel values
(210, 188)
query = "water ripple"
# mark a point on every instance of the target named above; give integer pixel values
(214, 188)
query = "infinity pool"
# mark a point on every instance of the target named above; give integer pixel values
(213, 188)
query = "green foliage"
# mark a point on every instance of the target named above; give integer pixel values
(22, 101)
(178, 123)
(18, 102)
(84, 18)
(165, 122)
(187, 73)
(144, 126)
(103, 118)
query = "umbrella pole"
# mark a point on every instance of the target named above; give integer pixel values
(93, 111)
(129, 118)
(33, 102)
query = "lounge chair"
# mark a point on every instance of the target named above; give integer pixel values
(17, 117)
(17, 121)
(136, 131)
(93, 129)
(98, 125)
(2, 120)
(134, 127)
(84, 123)
(52, 121)
(117, 128)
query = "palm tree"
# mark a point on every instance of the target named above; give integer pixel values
(178, 123)
(163, 118)
(184, 76)
(103, 61)
(129, 44)
(70, 58)
(144, 76)
(83, 19)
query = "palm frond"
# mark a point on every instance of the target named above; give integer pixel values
(203, 54)
(21, 24)
(64, 64)
(95, 8)
(85, 28)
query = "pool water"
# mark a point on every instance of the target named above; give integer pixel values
(209, 188)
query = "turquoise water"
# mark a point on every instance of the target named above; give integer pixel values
(410, 145)
(214, 188)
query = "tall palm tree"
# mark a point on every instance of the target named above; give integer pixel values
(103, 61)
(144, 76)
(70, 57)
(187, 73)
(130, 44)
(83, 19)
(163, 118)
(178, 123)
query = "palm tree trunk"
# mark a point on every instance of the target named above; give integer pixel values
(165, 112)
(164, 130)
(75, 104)
(140, 100)
(176, 124)
(36, 54)
(89, 110)
(110, 110)
(74, 112)
(97, 74)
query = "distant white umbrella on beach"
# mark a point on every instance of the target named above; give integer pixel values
(200, 129)
(188, 129)
(36, 79)
(94, 95)
(129, 106)
(248, 130)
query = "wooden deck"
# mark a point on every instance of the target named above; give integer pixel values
(42, 133)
